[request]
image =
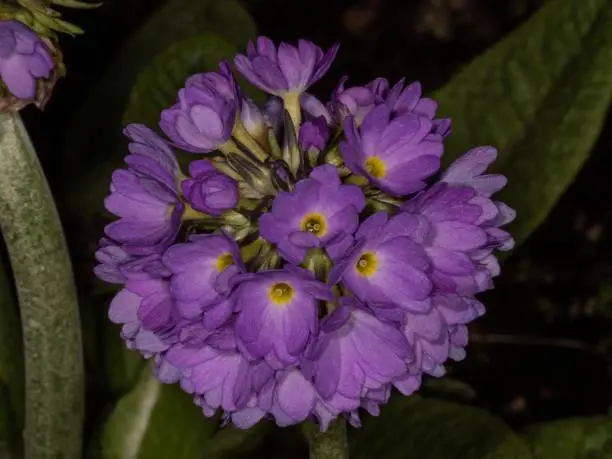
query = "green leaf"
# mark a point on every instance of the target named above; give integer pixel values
(578, 438)
(156, 421)
(434, 429)
(11, 349)
(540, 96)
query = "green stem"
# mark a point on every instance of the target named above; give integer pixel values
(47, 300)
(331, 444)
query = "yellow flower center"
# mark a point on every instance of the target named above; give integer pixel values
(281, 293)
(315, 224)
(367, 264)
(223, 261)
(375, 167)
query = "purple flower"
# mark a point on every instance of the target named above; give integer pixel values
(147, 312)
(288, 69)
(386, 268)
(319, 213)
(204, 115)
(116, 265)
(440, 333)
(145, 196)
(288, 397)
(428, 335)
(355, 353)
(458, 311)
(314, 134)
(111, 258)
(212, 368)
(396, 154)
(356, 101)
(209, 190)
(402, 100)
(371, 401)
(277, 313)
(202, 270)
(463, 224)
(24, 59)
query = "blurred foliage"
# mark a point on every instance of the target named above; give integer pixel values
(432, 429)
(580, 438)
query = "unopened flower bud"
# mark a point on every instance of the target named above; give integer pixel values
(29, 66)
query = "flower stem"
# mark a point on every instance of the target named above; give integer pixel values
(47, 300)
(243, 136)
(331, 444)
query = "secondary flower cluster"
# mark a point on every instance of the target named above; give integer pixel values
(28, 70)
(311, 262)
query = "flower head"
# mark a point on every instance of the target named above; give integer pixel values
(319, 213)
(209, 190)
(204, 115)
(308, 267)
(277, 313)
(286, 69)
(395, 153)
(145, 196)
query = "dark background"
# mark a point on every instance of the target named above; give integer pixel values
(543, 349)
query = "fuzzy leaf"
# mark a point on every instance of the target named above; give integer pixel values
(156, 421)
(434, 429)
(578, 438)
(540, 96)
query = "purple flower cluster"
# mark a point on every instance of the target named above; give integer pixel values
(25, 60)
(295, 274)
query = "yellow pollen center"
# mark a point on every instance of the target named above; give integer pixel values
(367, 264)
(224, 260)
(315, 224)
(375, 167)
(281, 293)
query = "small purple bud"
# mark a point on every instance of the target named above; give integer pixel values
(314, 134)
(209, 190)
